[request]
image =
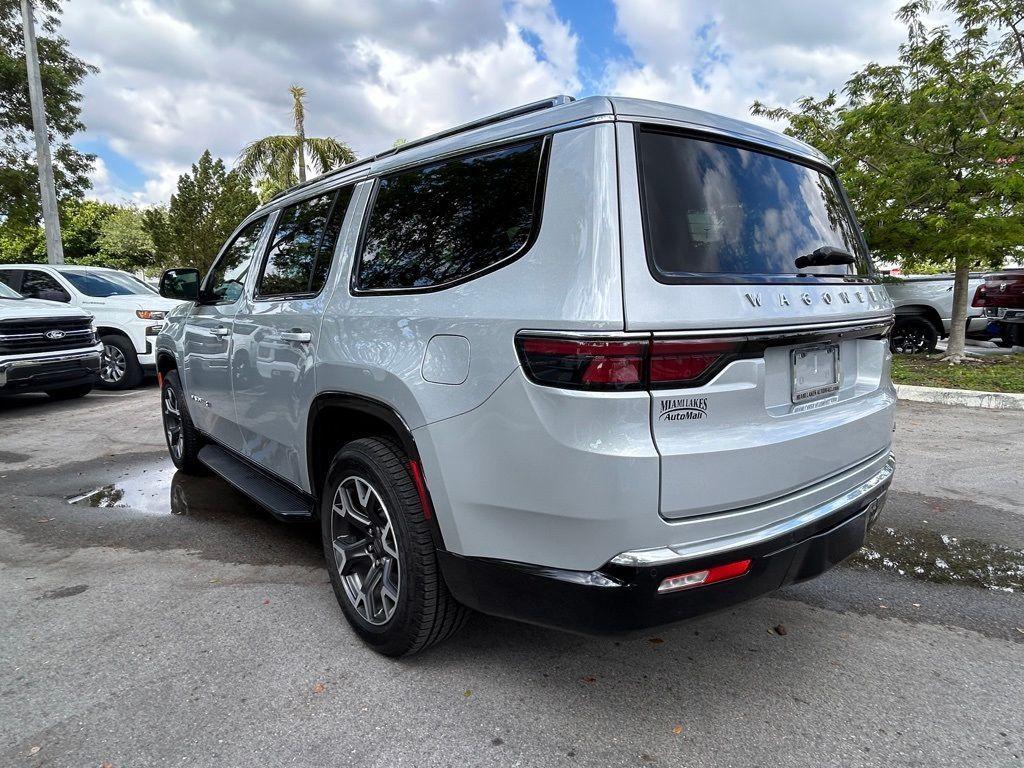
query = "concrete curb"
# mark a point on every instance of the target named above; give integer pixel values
(967, 398)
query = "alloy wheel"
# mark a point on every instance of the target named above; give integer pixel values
(114, 365)
(365, 550)
(172, 422)
(909, 341)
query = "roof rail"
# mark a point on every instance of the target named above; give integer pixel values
(497, 117)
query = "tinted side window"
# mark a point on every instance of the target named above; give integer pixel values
(39, 285)
(226, 280)
(447, 220)
(303, 243)
(11, 278)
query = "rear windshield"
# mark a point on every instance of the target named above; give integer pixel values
(723, 212)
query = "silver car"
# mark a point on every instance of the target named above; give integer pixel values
(598, 365)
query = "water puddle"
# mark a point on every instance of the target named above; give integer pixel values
(936, 557)
(146, 490)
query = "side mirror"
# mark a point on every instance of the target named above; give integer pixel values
(181, 284)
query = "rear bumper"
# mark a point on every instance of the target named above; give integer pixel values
(49, 371)
(623, 595)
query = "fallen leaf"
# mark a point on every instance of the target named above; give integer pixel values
(780, 630)
(677, 730)
(497, 742)
(655, 640)
(319, 688)
(646, 758)
(467, 692)
(589, 679)
(215, 581)
(34, 750)
(105, 764)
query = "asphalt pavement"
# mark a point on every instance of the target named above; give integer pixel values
(152, 619)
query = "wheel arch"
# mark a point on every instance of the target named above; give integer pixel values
(925, 311)
(336, 418)
(165, 361)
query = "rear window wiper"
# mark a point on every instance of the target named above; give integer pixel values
(825, 256)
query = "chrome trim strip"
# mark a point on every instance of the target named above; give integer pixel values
(680, 552)
(42, 334)
(90, 354)
(879, 321)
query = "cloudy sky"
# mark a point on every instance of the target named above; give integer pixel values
(180, 76)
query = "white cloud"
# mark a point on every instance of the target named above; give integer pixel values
(721, 57)
(179, 77)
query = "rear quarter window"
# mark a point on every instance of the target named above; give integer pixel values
(450, 220)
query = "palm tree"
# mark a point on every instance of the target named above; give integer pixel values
(279, 162)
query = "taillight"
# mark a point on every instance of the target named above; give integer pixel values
(584, 364)
(683, 362)
(979, 296)
(620, 365)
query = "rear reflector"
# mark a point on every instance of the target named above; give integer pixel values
(421, 488)
(705, 577)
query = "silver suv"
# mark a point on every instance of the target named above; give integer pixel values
(598, 365)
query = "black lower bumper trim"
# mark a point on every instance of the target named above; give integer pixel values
(621, 599)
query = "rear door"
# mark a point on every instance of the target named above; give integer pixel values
(208, 336)
(276, 331)
(770, 372)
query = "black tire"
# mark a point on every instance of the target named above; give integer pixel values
(183, 440)
(424, 612)
(119, 365)
(70, 393)
(913, 336)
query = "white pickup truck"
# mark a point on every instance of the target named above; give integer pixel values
(128, 313)
(46, 347)
(924, 308)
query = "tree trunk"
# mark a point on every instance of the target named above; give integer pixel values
(300, 129)
(958, 323)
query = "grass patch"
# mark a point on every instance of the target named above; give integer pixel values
(996, 373)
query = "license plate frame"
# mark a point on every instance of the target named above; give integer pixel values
(807, 384)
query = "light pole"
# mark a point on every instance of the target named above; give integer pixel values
(48, 194)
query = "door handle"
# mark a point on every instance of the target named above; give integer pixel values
(301, 336)
(220, 331)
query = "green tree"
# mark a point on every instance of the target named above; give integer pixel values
(931, 148)
(62, 74)
(124, 242)
(81, 223)
(207, 206)
(276, 163)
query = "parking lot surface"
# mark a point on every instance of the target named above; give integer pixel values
(154, 619)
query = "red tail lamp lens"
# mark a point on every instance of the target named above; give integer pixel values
(979, 297)
(705, 577)
(584, 364)
(681, 361)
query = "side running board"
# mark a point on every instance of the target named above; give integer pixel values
(278, 499)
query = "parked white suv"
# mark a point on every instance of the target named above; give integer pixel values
(598, 364)
(128, 313)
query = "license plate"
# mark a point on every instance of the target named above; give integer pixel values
(816, 372)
